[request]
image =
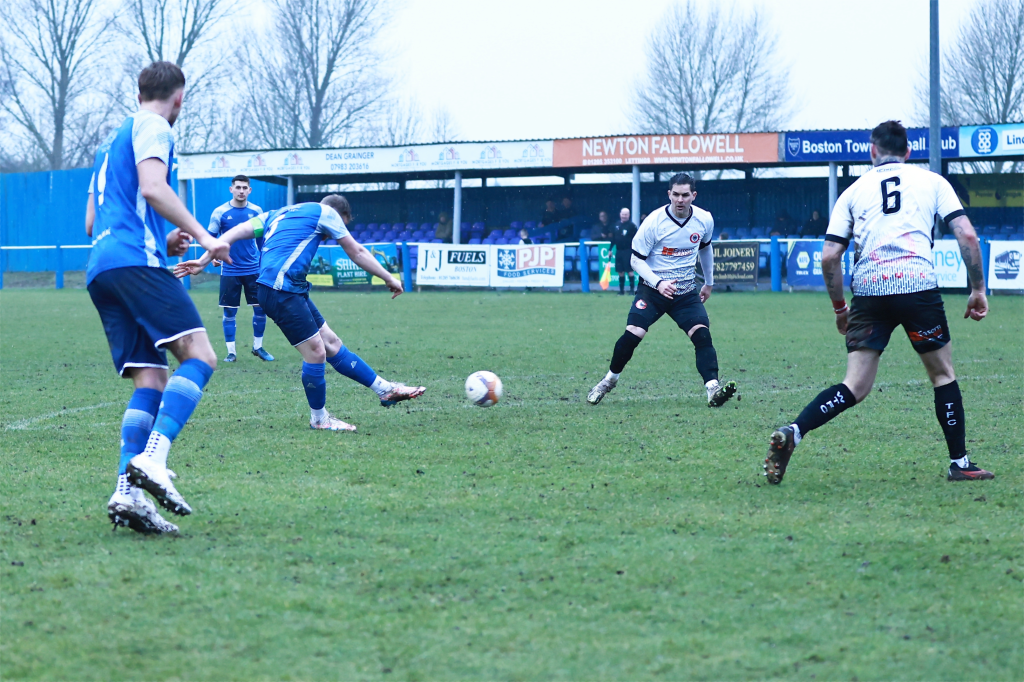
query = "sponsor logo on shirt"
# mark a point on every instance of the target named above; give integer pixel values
(669, 251)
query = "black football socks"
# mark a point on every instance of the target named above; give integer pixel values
(624, 348)
(949, 409)
(707, 357)
(828, 405)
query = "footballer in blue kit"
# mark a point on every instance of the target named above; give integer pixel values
(240, 274)
(144, 309)
(291, 236)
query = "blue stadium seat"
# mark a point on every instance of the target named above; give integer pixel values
(508, 234)
(474, 240)
(417, 235)
(358, 227)
(742, 232)
(516, 225)
(437, 241)
(1008, 229)
(384, 227)
(372, 227)
(530, 225)
(377, 236)
(585, 234)
(422, 226)
(478, 226)
(389, 235)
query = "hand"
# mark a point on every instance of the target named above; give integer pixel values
(177, 242)
(188, 267)
(395, 287)
(977, 306)
(705, 293)
(842, 321)
(217, 263)
(220, 250)
(666, 288)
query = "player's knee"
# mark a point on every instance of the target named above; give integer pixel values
(638, 332)
(701, 337)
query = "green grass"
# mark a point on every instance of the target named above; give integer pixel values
(539, 539)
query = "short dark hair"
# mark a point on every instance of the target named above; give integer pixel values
(160, 80)
(682, 179)
(240, 178)
(339, 204)
(891, 137)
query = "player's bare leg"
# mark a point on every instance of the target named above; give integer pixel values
(861, 368)
(622, 354)
(949, 410)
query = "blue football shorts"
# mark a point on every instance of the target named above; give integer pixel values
(294, 314)
(142, 310)
(231, 288)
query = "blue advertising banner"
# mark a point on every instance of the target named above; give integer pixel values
(855, 145)
(803, 269)
(994, 140)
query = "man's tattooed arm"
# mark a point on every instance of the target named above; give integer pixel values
(970, 250)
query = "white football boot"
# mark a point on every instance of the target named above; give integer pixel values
(601, 390)
(128, 506)
(330, 423)
(719, 394)
(145, 472)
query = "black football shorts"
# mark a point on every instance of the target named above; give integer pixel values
(649, 305)
(872, 320)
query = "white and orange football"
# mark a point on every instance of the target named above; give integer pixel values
(483, 388)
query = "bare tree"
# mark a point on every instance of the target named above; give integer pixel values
(443, 126)
(50, 67)
(711, 71)
(322, 84)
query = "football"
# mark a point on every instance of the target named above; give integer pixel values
(483, 388)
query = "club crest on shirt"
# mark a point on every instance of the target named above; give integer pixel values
(641, 304)
(694, 238)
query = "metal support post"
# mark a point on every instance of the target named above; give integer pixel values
(775, 262)
(183, 191)
(985, 250)
(406, 266)
(291, 190)
(457, 210)
(584, 266)
(636, 196)
(934, 89)
(833, 186)
(59, 272)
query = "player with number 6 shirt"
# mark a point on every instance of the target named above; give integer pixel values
(889, 214)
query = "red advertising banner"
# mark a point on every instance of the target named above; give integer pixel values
(667, 149)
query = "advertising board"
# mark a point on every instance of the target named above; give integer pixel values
(538, 265)
(668, 149)
(992, 140)
(855, 145)
(949, 264)
(1004, 271)
(803, 267)
(331, 266)
(430, 157)
(453, 265)
(736, 262)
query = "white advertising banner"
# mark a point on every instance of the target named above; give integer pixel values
(429, 157)
(455, 265)
(1004, 266)
(1004, 139)
(949, 264)
(536, 265)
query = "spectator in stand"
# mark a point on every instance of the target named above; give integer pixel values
(550, 213)
(444, 229)
(784, 222)
(643, 217)
(566, 212)
(815, 226)
(564, 215)
(622, 240)
(723, 237)
(602, 229)
(524, 236)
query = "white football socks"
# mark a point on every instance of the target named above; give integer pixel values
(257, 342)
(797, 437)
(123, 486)
(231, 346)
(317, 416)
(963, 462)
(157, 448)
(381, 386)
(611, 376)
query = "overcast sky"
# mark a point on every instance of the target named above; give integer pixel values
(561, 68)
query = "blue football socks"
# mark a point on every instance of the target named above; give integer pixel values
(315, 384)
(181, 395)
(229, 324)
(351, 365)
(259, 323)
(137, 423)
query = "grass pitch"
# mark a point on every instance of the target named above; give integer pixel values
(539, 539)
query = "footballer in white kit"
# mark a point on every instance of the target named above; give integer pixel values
(889, 213)
(665, 253)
